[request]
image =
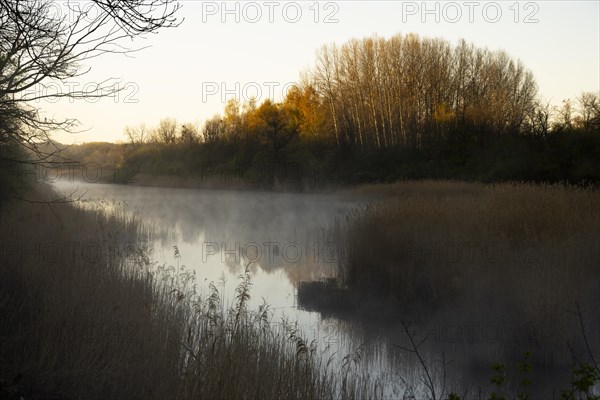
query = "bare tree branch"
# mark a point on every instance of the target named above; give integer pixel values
(41, 48)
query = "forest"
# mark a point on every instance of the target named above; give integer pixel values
(374, 110)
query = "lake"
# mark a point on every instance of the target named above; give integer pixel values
(286, 239)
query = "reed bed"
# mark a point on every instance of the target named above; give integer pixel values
(86, 314)
(473, 252)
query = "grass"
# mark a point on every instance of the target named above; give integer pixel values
(473, 252)
(86, 317)
(456, 259)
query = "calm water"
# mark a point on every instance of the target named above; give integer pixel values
(286, 239)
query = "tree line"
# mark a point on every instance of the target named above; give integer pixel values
(404, 91)
(371, 109)
(380, 109)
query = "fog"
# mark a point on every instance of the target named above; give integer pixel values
(286, 239)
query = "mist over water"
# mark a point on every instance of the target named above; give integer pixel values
(287, 239)
(284, 238)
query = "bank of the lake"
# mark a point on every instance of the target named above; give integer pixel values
(394, 256)
(86, 316)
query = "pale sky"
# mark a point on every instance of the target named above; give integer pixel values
(189, 72)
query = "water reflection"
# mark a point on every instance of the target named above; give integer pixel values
(273, 231)
(287, 239)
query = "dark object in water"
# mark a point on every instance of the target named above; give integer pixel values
(325, 296)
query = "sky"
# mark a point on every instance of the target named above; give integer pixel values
(245, 48)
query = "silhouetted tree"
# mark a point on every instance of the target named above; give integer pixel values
(39, 46)
(214, 129)
(189, 134)
(166, 132)
(589, 108)
(275, 125)
(564, 114)
(137, 135)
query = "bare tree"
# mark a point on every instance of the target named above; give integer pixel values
(189, 134)
(539, 118)
(381, 93)
(40, 45)
(167, 131)
(138, 134)
(213, 129)
(564, 116)
(589, 108)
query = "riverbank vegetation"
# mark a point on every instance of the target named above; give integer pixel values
(87, 314)
(456, 257)
(428, 239)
